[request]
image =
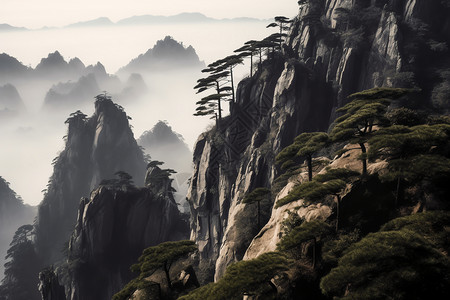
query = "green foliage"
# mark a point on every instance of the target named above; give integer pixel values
(160, 257)
(430, 225)
(257, 195)
(408, 151)
(156, 257)
(306, 144)
(404, 116)
(292, 221)
(334, 249)
(248, 276)
(397, 264)
(381, 93)
(441, 93)
(333, 174)
(330, 183)
(202, 293)
(360, 115)
(305, 232)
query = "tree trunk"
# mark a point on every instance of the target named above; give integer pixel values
(166, 270)
(398, 191)
(260, 58)
(274, 288)
(259, 214)
(364, 160)
(281, 32)
(338, 211)
(309, 160)
(314, 253)
(232, 84)
(251, 65)
(218, 104)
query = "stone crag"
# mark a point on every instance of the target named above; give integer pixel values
(96, 148)
(334, 48)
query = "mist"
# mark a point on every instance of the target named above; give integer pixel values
(32, 139)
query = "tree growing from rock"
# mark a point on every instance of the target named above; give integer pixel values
(308, 231)
(333, 182)
(396, 262)
(305, 145)
(281, 22)
(217, 80)
(244, 277)
(160, 257)
(256, 196)
(366, 109)
(414, 153)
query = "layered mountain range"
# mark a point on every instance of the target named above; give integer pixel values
(73, 83)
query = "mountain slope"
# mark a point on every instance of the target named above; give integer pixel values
(334, 48)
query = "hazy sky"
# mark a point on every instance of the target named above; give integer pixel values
(39, 13)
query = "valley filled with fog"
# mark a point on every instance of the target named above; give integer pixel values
(33, 137)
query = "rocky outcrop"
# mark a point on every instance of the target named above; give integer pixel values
(335, 48)
(96, 148)
(113, 227)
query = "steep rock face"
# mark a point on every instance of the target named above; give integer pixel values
(113, 227)
(335, 47)
(13, 213)
(96, 148)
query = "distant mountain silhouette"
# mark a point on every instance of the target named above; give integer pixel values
(134, 88)
(164, 144)
(54, 66)
(11, 67)
(7, 27)
(165, 55)
(103, 21)
(194, 17)
(72, 94)
(180, 18)
(11, 103)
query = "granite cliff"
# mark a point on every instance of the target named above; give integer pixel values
(334, 48)
(113, 227)
(96, 148)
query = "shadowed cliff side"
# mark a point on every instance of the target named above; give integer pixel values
(96, 148)
(113, 227)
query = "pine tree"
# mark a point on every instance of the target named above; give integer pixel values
(160, 257)
(305, 145)
(396, 262)
(331, 183)
(414, 153)
(257, 195)
(244, 277)
(308, 231)
(366, 109)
